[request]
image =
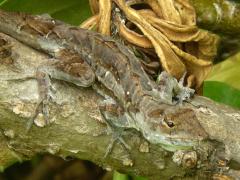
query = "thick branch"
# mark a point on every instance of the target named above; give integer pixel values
(76, 125)
(76, 128)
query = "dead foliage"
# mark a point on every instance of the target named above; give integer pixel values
(163, 34)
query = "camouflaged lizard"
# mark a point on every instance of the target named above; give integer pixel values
(83, 57)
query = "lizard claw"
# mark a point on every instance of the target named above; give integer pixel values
(41, 115)
(46, 93)
(116, 137)
(111, 112)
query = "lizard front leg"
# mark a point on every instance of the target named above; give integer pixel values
(116, 119)
(76, 72)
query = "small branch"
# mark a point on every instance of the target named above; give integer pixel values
(220, 16)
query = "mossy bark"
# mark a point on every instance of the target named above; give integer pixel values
(221, 16)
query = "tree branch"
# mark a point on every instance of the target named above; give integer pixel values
(76, 126)
(220, 16)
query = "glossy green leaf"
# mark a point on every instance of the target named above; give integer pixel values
(222, 92)
(223, 83)
(227, 72)
(71, 11)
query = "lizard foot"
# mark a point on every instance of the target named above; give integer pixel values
(57, 70)
(112, 113)
(46, 93)
(116, 137)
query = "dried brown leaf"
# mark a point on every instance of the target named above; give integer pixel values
(169, 60)
(170, 28)
(90, 23)
(105, 16)
(94, 6)
(133, 37)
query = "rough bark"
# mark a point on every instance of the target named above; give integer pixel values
(76, 128)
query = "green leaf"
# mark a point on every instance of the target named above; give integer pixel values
(139, 178)
(227, 72)
(119, 176)
(223, 83)
(222, 92)
(70, 11)
(3, 2)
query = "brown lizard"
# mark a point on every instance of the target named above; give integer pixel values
(84, 55)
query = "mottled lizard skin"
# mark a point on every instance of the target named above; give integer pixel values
(145, 107)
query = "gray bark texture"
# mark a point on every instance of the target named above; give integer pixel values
(76, 127)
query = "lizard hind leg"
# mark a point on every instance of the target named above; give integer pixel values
(46, 91)
(116, 137)
(113, 113)
(84, 78)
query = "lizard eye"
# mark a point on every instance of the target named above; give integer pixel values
(170, 124)
(175, 98)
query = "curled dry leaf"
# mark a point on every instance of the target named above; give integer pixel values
(94, 6)
(90, 23)
(169, 27)
(133, 37)
(169, 60)
(105, 16)
(155, 7)
(169, 12)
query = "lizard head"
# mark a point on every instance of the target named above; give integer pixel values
(172, 127)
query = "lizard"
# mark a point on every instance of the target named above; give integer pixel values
(144, 105)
